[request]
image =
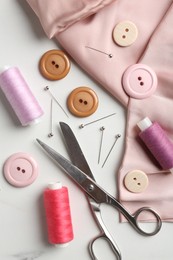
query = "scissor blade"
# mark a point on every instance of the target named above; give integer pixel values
(84, 181)
(76, 155)
(70, 169)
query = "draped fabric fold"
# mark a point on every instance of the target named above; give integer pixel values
(57, 15)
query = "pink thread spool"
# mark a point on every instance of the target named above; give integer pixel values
(157, 142)
(58, 216)
(19, 95)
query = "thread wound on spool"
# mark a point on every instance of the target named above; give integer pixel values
(159, 145)
(58, 216)
(19, 95)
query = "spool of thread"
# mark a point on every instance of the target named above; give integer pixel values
(19, 95)
(157, 142)
(58, 216)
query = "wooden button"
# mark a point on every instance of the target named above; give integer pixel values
(82, 102)
(54, 65)
(136, 181)
(125, 33)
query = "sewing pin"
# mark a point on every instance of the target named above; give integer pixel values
(100, 148)
(116, 138)
(51, 119)
(108, 54)
(47, 88)
(83, 125)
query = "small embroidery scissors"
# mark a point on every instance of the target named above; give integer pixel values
(80, 172)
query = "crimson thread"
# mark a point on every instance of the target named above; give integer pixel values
(20, 97)
(58, 216)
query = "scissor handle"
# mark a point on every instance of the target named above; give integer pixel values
(111, 243)
(135, 221)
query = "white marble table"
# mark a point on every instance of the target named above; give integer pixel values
(23, 234)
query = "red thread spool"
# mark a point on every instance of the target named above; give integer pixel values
(58, 216)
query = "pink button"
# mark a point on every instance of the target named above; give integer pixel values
(20, 169)
(139, 81)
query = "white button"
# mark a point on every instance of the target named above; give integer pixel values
(136, 181)
(125, 33)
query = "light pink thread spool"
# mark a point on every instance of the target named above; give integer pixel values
(19, 95)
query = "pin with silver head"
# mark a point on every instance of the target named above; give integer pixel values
(101, 142)
(51, 119)
(116, 138)
(53, 97)
(83, 125)
(103, 52)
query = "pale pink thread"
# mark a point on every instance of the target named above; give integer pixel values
(58, 216)
(20, 96)
(159, 145)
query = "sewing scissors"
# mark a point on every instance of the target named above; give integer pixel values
(80, 172)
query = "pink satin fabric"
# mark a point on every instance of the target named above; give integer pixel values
(159, 107)
(153, 47)
(57, 15)
(96, 31)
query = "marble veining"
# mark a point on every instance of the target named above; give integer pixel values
(28, 255)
